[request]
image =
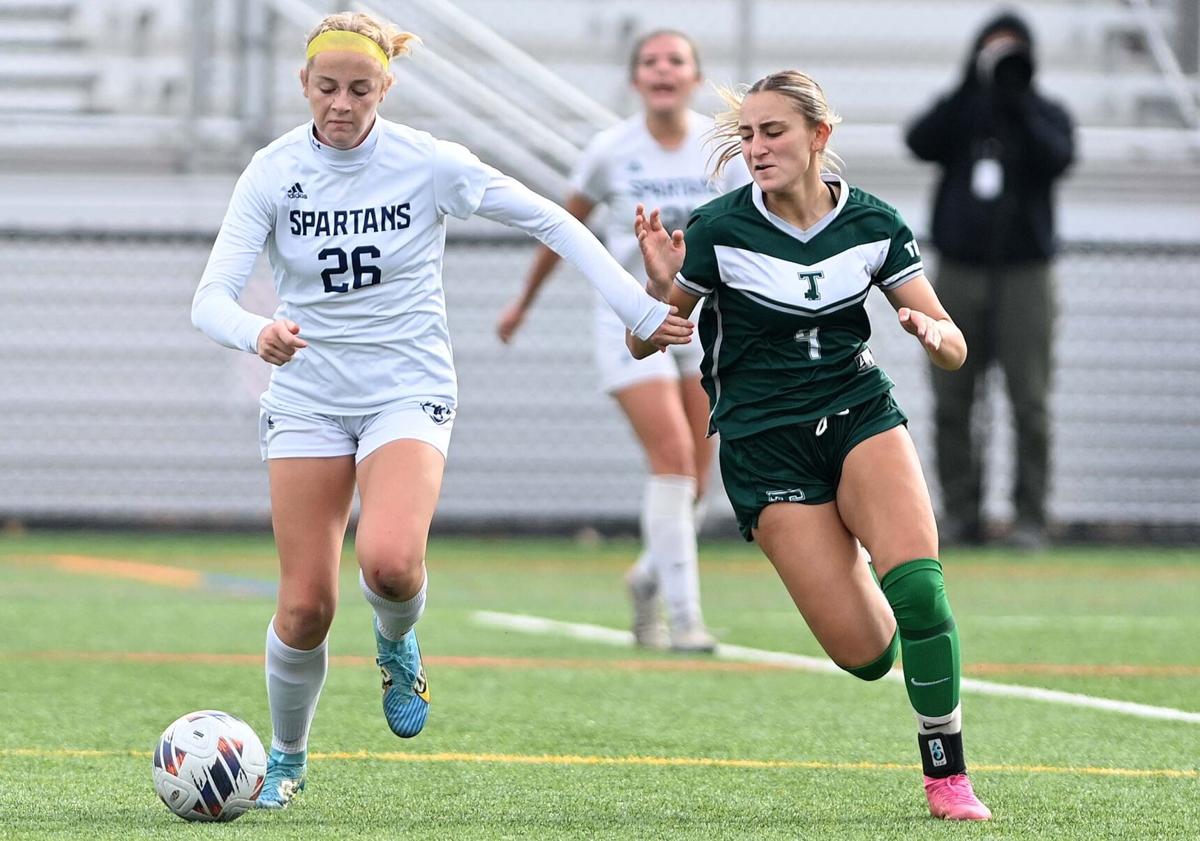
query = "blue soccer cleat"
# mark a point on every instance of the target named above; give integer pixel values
(285, 779)
(405, 690)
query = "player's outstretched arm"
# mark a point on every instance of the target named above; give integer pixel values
(511, 203)
(513, 316)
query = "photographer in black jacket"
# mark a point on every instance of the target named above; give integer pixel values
(1000, 145)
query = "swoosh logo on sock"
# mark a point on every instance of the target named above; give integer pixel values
(916, 682)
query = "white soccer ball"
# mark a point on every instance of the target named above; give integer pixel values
(209, 766)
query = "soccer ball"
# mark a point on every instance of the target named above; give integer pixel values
(209, 766)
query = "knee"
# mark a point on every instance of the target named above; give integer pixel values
(393, 571)
(674, 455)
(304, 622)
(917, 594)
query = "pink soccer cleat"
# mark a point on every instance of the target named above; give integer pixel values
(953, 798)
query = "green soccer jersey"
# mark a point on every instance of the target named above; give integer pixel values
(784, 326)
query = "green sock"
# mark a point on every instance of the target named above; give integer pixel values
(928, 637)
(881, 665)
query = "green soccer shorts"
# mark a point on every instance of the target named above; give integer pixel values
(799, 462)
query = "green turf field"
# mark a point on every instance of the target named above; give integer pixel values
(105, 639)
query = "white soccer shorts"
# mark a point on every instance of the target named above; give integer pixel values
(287, 433)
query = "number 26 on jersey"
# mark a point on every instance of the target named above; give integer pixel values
(345, 272)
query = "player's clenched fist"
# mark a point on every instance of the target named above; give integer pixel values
(279, 341)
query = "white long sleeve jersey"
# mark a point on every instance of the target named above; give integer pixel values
(355, 239)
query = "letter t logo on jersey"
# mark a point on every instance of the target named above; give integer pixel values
(812, 293)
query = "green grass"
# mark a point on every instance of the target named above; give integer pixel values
(535, 749)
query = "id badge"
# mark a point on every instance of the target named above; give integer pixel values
(987, 179)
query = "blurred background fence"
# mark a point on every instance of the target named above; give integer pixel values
(116, 409)
(136, 117)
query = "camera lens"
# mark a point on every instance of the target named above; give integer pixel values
(1006, 63)
(1013, 72)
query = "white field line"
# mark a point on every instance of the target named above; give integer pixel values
(800, 662)
(1122, 623)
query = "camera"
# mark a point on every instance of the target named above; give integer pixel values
(1006, 64)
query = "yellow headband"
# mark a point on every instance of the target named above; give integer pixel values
(341, 39)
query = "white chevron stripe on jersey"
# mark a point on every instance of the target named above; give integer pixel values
(835, 282)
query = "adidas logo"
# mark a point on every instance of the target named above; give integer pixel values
(296, 192)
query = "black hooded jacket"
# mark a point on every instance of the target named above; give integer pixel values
(1028, 135)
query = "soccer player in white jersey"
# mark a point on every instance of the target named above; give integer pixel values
(352, 210)
(815, 454)
(657, 157)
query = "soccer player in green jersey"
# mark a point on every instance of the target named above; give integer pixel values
(815, 454)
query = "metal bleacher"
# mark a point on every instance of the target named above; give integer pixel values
(122, 78)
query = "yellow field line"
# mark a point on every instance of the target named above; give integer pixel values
(556, 663)
(648, 761)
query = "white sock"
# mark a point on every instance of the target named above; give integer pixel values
(947, 724)
(394, 619)
(669, 535)
(294, 682)
(642, 568)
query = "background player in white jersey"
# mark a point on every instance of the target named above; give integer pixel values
(815, 455)
(657, 156)
(352, 209)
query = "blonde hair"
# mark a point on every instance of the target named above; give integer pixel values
(391, 39)
(807, 98)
